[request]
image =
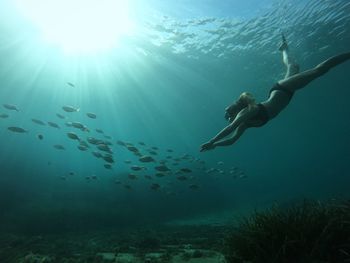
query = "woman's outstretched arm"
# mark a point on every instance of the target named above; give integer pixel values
(243, 116)
(239, 131)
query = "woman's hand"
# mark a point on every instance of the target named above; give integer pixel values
(207, 146)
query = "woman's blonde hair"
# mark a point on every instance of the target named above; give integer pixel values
(246, 99)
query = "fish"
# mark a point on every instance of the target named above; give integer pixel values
(132, 176)
(186, 170)
(155, 148)
(127, 161)
(142, 143)
(99, 130)
(136, 168)
(169, 150)
(155, 186)
(71, 84)
(63, 177)
(108, 159)
(60, 116)
(104, 147)
(87, 178)
(69, 124)
(94, 141)
(73, 136)
(84, 143)
(108, 137)
(11, 107)
(4, 115)
(38, 122)
(160, 174)
(82, 148)
(91, 115)
(59, 147)
(54, 125)
(71, 173)
(121, 143)
(70, 109)
(94, 177)
(97, 154)
(40, 136)
(148, 177)
(80, 126)
(17, 129)
(132, 149)
(107, 143)
(162, 168)
(108, 166)
(181, 178)
(220, 163)
(146, 159)
(242, 175)
(117, 182)
(128, 187)
(153, 152)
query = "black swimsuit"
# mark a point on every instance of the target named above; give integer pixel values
(281, 88)
(262, 116)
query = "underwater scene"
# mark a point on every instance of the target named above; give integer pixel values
(122, 121)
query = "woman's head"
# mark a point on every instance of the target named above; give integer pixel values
(244, 100)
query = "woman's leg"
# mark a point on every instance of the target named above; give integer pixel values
(292, 67)
(300, 80)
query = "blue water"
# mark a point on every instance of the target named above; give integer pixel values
(168, 86)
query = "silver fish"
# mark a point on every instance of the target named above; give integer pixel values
(60, 116)
(162, 168)
(54, 125)
(146, 159)
(104, 147)
(11, 107)
(82, 148)
(59, 147)
(38, 122)
(73, 136)
(91, 115)
(70, 109)
(108, 166)
(108, 159)
(17, 129)
(97, 154)
(4, 116)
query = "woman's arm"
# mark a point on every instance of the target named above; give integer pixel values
(239, 131)
(243, 116)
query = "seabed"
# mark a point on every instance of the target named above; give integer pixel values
(174, 244)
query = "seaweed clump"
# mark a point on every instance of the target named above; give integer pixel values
(305, 232)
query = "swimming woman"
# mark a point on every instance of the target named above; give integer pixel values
(246, 113)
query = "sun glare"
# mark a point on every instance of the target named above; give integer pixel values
(79, 26)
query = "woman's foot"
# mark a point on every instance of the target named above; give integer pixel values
(284, 44)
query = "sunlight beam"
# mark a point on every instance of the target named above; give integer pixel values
(79, 26)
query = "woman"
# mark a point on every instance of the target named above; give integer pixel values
(246, 113)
